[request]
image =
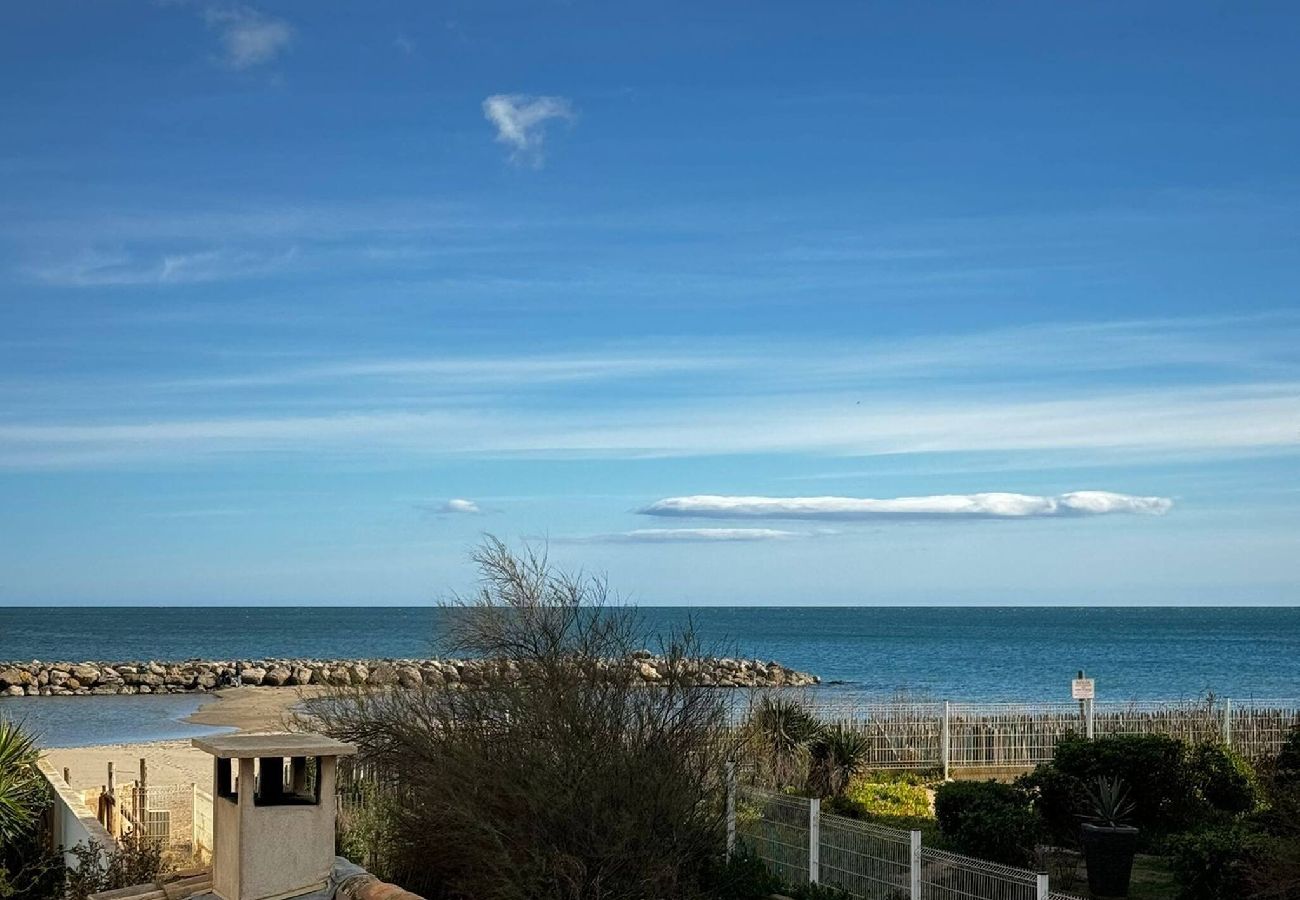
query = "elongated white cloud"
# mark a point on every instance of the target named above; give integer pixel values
(520, 120)
(456, 506)
(939, 506)
(687, 535)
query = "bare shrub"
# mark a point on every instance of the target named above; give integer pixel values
(134, 861)
(561, 774)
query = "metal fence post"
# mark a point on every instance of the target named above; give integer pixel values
(945, 739)
(1227, 722)
(814, 840)
(731, 808)
(915, 885)
(1091, 722)
(1043, 891)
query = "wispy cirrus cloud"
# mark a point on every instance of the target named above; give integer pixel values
(521, 120)
(100, 269)
(249, 38)
(940, 506)
(1113, 426)
(686, 536)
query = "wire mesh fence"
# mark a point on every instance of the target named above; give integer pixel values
(900, 735)
(1258, 728)
(1018, 736)
(162, 814)
(951, 876)
(868, 861)
(865, 860)
(1008, 735)
(775, 828)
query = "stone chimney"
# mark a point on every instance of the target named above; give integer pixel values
(272, 813)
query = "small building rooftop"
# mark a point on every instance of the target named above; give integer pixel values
(254, 746)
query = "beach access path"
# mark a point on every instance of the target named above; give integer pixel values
(176, 762)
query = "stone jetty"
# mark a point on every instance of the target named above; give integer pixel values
(61, 679)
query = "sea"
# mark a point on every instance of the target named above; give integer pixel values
(952, 653)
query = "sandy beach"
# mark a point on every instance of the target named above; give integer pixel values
(177, 762)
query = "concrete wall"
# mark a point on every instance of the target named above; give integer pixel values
(74, 823)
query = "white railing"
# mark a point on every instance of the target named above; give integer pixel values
(1018, 736)
(776, 829)
(161, 814)
(802, 845)
(867, 860)
(951, 876)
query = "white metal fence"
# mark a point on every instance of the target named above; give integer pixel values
(1017, 736)
(801, 845)
(951, 876)
(159, 813)
(866, 860)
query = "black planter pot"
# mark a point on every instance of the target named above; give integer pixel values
(1109, 855)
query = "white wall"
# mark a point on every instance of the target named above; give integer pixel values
(74, 823)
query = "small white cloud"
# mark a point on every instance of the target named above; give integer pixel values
(686, 536)
(520, 120)
(248, 38)
(941, 506)
(458, 505)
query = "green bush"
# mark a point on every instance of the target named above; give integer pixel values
(1224, 779)
(1156, 767)
(989, 820)
(808, 891)
(1060, 799)
(895, 800)
(1213, 864)
(745, 877)
(134, 861)
(742, 877)
(1286, 767)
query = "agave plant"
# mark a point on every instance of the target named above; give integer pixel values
(1110, 802)
(783, 730)
(836, 755)
(20, 781)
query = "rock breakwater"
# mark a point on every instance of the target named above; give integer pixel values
(61, 679)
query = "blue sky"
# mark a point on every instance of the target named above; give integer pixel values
(297, 300)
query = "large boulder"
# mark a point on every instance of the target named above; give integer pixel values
(85, 673)
(277, 676)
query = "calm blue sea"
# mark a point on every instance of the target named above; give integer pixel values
(954, 653)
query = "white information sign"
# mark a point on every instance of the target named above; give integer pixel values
(1083, 689)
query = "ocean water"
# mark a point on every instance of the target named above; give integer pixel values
(87, 721)
(944, 653)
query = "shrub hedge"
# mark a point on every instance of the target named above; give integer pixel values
(1174, 787)
(987, 819)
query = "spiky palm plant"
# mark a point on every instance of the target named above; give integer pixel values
(836, 755)
(20, 780)
(1110, 802)
(783, 730)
